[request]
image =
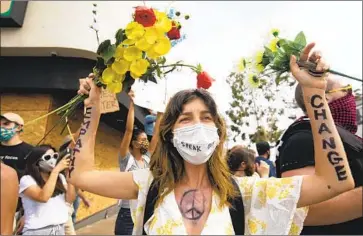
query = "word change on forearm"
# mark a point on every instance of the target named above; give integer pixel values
(328, 142)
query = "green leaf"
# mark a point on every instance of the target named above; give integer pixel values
(127, 83)
(103, 46)
(300, 39)
(120, 36)
(158, 72)
(106, 50)
(161, 60)
(110, 61)
(268, 52)
(100, 64)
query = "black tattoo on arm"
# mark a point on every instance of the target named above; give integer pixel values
(82, 132)
(328, 143)
(192, 205)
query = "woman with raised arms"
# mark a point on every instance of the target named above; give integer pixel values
(195, 193)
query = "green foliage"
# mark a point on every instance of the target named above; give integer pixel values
(106, 50)
(258, 105)
(120, 36)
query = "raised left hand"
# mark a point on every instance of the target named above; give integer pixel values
(302, 76)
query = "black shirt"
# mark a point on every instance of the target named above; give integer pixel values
(15, 157)
(298, 152)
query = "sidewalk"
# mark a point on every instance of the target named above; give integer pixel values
(102, 227)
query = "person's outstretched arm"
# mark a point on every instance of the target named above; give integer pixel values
(332, 173)
(9, 198)
(113, 184)
(126, 139)
(155, 138)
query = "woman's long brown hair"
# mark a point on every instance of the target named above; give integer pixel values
(167, 166)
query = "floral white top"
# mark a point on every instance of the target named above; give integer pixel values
(270, 209)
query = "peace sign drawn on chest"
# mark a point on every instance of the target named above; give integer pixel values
(192, 205)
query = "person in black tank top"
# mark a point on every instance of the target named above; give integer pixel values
(341, 215)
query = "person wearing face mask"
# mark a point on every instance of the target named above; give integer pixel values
(189, 189)
(42, 190)
(295, 156)
(263, 149)
(135, 152)
(13, 151)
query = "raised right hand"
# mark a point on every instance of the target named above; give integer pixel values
(88, 87)
(62, 165)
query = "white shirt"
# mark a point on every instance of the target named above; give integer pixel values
(269, 205)
(37, 214)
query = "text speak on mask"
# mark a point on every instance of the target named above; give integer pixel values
(194, 147)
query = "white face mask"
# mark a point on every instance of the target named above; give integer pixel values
(48, 162)
(196, 143)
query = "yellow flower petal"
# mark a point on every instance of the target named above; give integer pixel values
(134, 30)
(162, 46)
(121, 67)
(108, 75)
(139, 67)
(151, 35)
(132, 53)
(135, 76)
(114, 87)
(253, 80)
(152, 54)
(143, 45)
(119, 52)
(119, 78)
(259, 56)
(241, 66)
(129, 42)
(273, 45)
(260, 68)
(163, 23)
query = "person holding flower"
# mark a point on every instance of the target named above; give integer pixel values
(190, 175)
(134, 154)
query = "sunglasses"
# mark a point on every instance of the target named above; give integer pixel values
(47, 157)
(346, 88)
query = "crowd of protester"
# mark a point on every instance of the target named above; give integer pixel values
(176, 178)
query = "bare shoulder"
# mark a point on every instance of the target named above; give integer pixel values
(8, 174)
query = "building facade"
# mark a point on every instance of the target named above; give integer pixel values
(46, 47)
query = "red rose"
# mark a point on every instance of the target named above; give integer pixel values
(174, 33)
(204, 80)
(145, 16)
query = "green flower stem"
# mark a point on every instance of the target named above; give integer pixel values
(178, 64)
(344, 75)
(312, 66)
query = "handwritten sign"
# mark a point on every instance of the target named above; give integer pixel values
(109, 102)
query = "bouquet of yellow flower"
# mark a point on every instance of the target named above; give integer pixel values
(138, 53)
(275, 60)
